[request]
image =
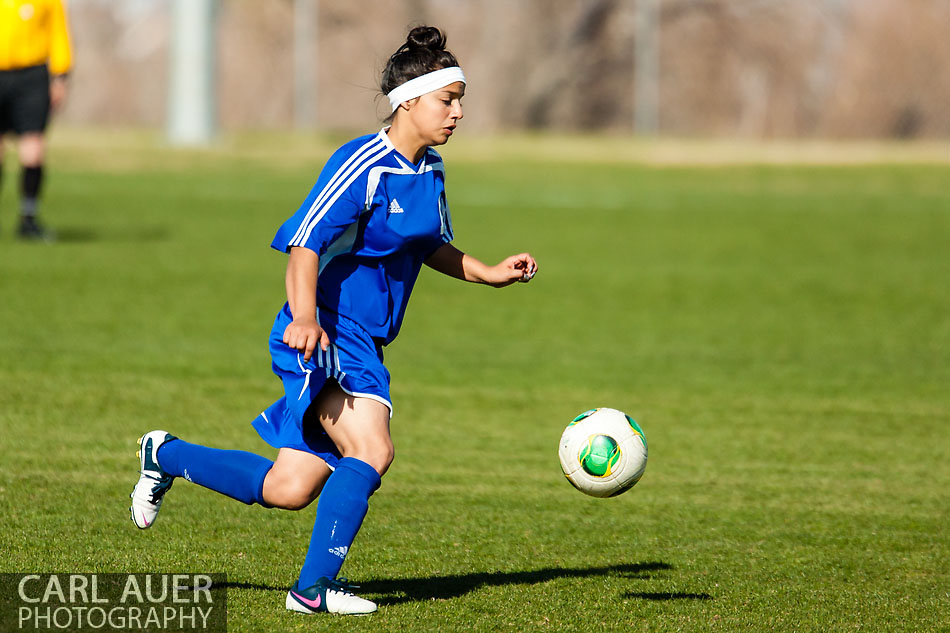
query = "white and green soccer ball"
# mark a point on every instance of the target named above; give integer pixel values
(603, 452)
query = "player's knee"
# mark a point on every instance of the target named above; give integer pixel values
(298, 497)
(31, 150)
(379, 455)
(289, 494)
(386, 457)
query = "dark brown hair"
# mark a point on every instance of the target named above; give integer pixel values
(423, 52)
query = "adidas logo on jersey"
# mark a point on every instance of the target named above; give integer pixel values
(339, 551)
(394, 207)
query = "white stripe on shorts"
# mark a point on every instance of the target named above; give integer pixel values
(306, 381)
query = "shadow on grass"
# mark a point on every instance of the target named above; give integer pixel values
(251, 585)
(642, 595)
(401, 590)
(77, 235)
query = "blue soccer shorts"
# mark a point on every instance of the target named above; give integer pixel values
(353, 359)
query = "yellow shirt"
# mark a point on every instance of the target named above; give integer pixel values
(34, 32)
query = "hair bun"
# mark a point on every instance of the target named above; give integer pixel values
(421, 53)
(427, 37)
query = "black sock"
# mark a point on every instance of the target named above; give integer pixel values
(30, 189)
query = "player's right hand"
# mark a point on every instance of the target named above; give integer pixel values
(304, 335)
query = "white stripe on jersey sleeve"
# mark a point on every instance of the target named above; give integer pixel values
(446, 229)
(328, 203)
(353, 162)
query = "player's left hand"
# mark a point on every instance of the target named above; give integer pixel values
(521, 267)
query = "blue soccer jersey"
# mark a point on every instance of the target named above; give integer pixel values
(373, 217)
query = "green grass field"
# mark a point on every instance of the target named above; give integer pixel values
(780, 332)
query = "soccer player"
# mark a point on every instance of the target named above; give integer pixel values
(356, 245)
(35, 59)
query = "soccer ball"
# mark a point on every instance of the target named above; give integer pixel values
(603, 452)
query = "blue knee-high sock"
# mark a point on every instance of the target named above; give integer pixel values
(237, 474)
(340, 512)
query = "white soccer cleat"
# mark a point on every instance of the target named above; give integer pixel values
(153, 482)
(328, 596)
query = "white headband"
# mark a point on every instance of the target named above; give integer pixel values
(424, 84)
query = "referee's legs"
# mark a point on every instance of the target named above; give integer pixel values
(31, 146)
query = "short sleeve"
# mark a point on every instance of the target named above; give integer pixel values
(335, 202)
(321, 219)
(60, 54)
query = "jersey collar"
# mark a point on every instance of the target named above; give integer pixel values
(405, 162)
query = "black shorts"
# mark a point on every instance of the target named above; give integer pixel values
(24, 100)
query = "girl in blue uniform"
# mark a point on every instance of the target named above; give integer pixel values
(377, 213)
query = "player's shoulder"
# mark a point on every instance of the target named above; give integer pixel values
(366, 148)
(354, 159)
(355, 144)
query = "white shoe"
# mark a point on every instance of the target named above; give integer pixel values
(153, 482)
(328, 596)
